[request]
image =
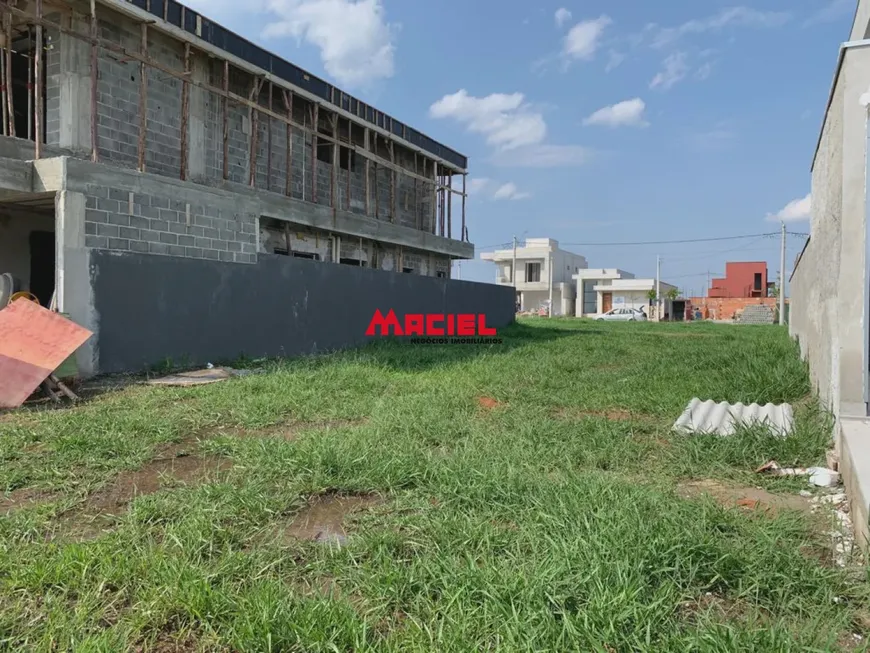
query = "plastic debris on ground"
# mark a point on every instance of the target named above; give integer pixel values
(823, 477)
(709, 417)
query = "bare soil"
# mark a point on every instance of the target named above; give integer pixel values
(174, 465)
(488, 403)
(748, 498)
(24, 497)
(322, 519)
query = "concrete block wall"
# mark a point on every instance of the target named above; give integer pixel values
(118, 131)
(159, 224)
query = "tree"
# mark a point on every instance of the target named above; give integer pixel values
(673, 293)
(652, 295)
(773, 291)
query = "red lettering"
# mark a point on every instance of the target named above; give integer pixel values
(384, 323)
(482, 329)
(465, 324)
(414, 325)
(451, 328)
(430, 325)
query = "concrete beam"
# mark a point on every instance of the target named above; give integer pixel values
(75, 296)
(197, 119)
(15, 176)
(74, 84)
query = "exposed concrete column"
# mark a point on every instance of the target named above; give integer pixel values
(73, 82)
(852, 279)
(73, 275)
(198, 119)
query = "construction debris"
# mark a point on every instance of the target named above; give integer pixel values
(774, 469)
(35, 342)
(822, 477)
(198, 377)
(709, 417)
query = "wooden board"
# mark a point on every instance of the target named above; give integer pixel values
(33, 343)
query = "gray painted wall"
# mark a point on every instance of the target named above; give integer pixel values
(827, 287)
(150, 308)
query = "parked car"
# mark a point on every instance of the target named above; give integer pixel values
(623, 315)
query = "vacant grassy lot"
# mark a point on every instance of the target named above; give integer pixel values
(528, 496)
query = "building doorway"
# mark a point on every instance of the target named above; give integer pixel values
(606, 301)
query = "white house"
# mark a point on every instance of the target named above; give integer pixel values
(543, 271)
(602, 289)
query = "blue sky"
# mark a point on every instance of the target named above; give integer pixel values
(589, 121)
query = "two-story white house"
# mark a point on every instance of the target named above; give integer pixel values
(544, 273)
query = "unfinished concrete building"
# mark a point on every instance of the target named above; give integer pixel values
(178, 190)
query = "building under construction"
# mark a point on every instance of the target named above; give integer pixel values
(177, 189)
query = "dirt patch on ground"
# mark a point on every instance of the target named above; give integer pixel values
(322, 519)
(289, 430)
(746, 498)
(177, 464)
(24, 497)
(488, 403)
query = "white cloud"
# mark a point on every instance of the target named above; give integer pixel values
(514, 129)
(476, 185)
(729, 17)
(584, 38)
(505, 119)
(675, 70)
(353, 36)
(509, 191)
(562, 16)
(544, 156)
(795, 211)
(627, 113)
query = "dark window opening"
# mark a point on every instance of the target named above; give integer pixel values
(533, 272)
(352, 261)
(346, 159)
(306, 255)
(324, 152)
(757, 281)
(42, 265)
(408, 270)
(23, 71)
(441, 274)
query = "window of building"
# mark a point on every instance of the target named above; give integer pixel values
(408, 270)
(352, 261)
(533, 272)
(757, 281)
(312, 257)
(441, 274)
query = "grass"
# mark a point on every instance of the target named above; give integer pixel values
(547, 517)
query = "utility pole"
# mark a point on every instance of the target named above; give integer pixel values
(514, 265)
(782, 279)
(550, 266)
(658, 288)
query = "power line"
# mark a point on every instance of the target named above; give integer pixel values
(673, 242)
(655, 242)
